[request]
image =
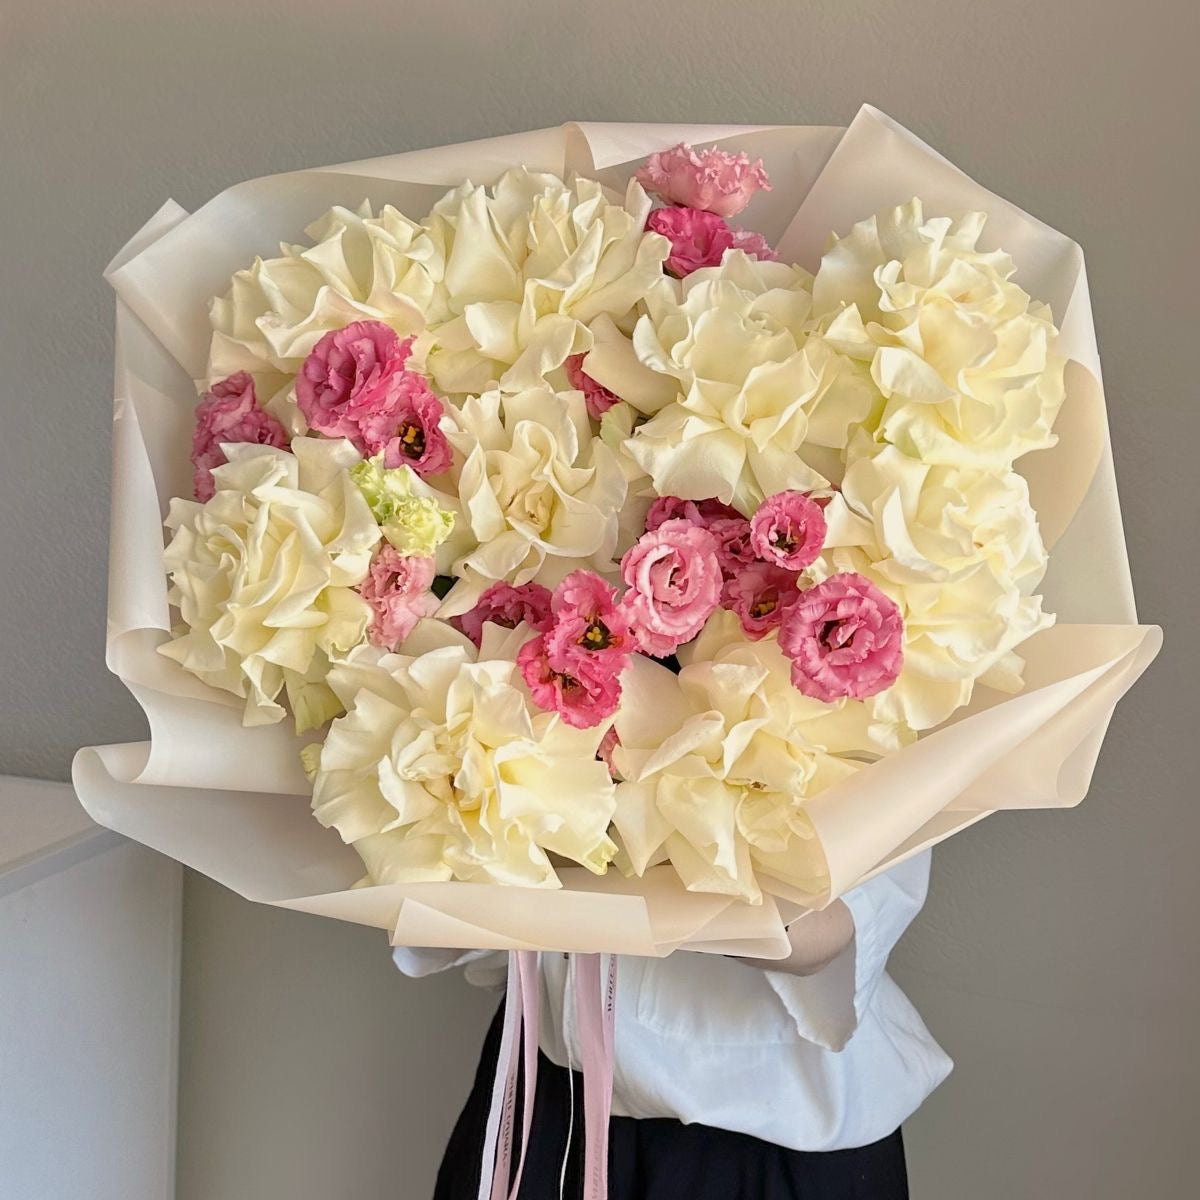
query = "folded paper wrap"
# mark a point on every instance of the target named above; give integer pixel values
(233, 803)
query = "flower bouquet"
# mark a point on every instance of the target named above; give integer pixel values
(589, 541)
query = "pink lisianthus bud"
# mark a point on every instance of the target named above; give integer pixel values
(789, 530)
(760, 594)
(734, 551)
(229, 412)
(699, 512)
(397, 588)
(507, 606)
(597, 397)
(608, 743)
(712, 179)
(845, 638)
(674, 581)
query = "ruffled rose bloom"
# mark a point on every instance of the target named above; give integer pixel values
(845, 638)
(967, 362)
(943, 541)
(752, 386)
(788, 530)
(674, 580)
(760, 594)
(352, 266)
(517, 316)
(717, 762)
(699, 512)
(711, 179)
(581, 687)
(264, 576)
(348, 378)
(535, 486)
(505, 605)
(442, 769)
(597, 397)
(228, 413)
(397, 588)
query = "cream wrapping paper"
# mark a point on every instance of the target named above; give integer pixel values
(233, 802)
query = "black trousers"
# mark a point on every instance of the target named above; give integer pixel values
(660, 1159)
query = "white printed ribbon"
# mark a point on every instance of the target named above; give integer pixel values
(594, 1019)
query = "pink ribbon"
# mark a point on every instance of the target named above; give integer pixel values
(521, 1017)
(594, 1018)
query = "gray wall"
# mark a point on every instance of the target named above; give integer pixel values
(1057, 959)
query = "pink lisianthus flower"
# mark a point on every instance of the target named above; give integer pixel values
(348, 377)
(406, 428)
(760, 594)
(788, 529)
(588, 617)
(734, 551)
(700, 239)
(699, 512)
(579, 686)
(711, 179)
(507, 606)
(597, 397)
(674, 581)
(355, 385)
(397, 588)
(754, 245)
(845, 638)
(229, 412)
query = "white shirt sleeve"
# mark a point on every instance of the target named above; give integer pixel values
(418, 961)
(828, 1006)
(485, 968)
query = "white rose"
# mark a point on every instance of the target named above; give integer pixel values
(440, 770)
(716, 765)
(263, 576)
(540, 495)
(960, 552)
(360, 267)
(966, 362)
(529, 267)
(751, 384)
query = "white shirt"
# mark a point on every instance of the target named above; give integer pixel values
(819, 1062)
